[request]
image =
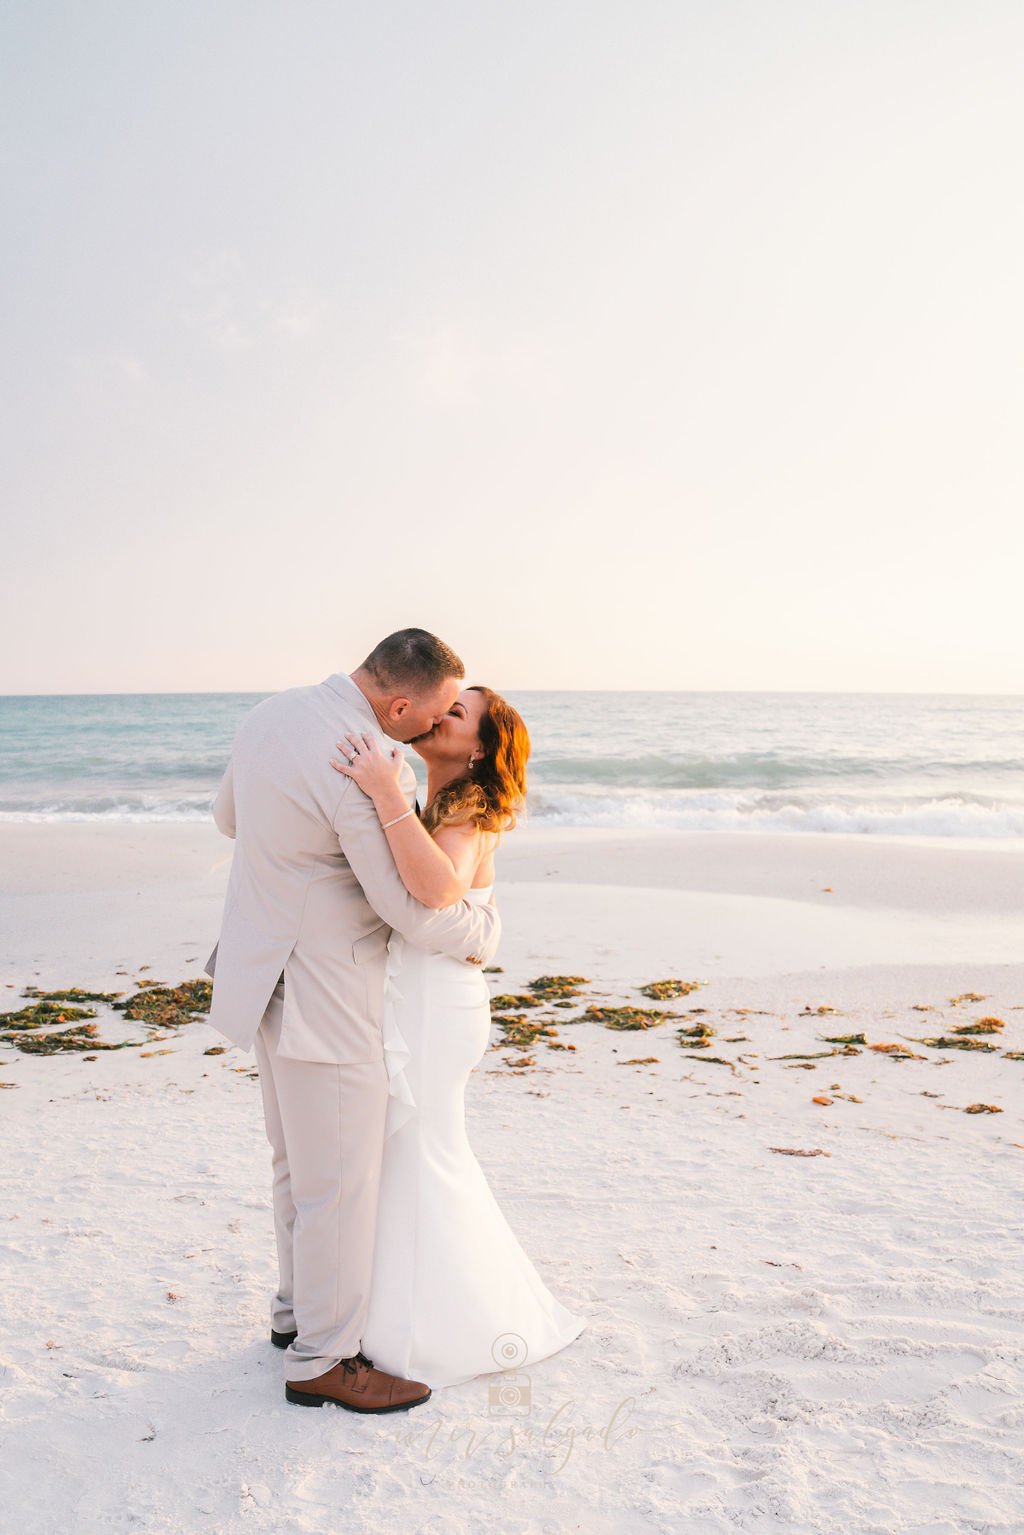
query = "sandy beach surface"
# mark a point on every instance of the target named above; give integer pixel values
(820, 1344)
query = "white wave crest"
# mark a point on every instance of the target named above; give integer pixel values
(953, 816)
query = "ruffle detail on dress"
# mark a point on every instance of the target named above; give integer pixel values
(401, 1103)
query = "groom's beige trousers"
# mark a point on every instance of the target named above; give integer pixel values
(325, 1123)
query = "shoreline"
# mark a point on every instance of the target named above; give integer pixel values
(103, 898)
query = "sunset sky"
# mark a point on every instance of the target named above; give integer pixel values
(658, 345)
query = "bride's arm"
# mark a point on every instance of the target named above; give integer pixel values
(436, 870)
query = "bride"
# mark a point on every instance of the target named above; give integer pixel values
(453, 1293)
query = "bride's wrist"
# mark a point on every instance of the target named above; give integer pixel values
(390, 802)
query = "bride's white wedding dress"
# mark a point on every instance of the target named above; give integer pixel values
(453, 1294)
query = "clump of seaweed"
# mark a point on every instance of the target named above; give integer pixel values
(982, 1108)
(843, 1039)
(548, 987)
(81, 1037)
(626, 1017)
(41, 1013)
(1013, 1055)
(983, 1026)
(504, 1001)
(641, 1060)
(901, 1053)
(168, 1006)
(967, 996)
(522, 1032)
(72, 994)
(697, 1037)
(662, 991)
(816, 1012)
(946, 1042)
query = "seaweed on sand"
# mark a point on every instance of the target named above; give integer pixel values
(716, 1060)
(41, 1013)
(626, 1017)
(662, 991)
(817, 1055)
(81, 1037)
(522, 1032)
(505, 1000)
(946, 1042)
(983, 1026)
(72, 994)
(548, 987)
(168, 1006)
(697, 1037)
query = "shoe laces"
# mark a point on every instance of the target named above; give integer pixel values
(351, 1366)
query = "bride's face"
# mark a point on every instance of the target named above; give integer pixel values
(456, 737)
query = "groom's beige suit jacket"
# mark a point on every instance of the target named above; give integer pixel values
(313, 892)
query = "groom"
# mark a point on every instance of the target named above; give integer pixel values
(299, 972)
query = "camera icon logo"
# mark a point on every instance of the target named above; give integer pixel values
(509, 1395)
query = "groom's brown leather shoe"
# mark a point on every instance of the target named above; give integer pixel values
(355, 1384)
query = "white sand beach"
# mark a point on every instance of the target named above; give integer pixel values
(828, 1343)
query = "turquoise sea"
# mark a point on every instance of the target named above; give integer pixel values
(889, 764)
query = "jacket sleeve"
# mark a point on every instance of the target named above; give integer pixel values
(224, 804)
(464, 931)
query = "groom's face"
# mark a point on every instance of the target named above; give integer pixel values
(414, 719)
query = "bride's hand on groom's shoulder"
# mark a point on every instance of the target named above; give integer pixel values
(376, 772)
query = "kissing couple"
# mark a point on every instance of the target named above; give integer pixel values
(350, 958)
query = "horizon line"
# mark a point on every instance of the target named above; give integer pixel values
(686, 692)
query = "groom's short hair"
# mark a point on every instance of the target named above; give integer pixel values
(414, 659)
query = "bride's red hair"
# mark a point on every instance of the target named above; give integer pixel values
(495, 790)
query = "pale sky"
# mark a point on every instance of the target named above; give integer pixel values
(634, 344)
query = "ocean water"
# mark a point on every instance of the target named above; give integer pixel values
(889, 765)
